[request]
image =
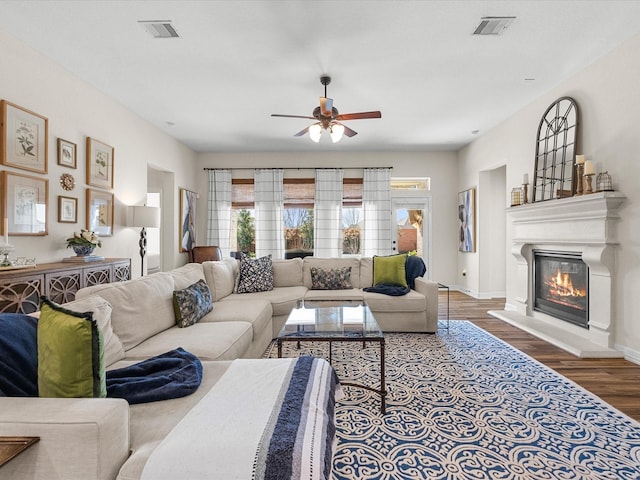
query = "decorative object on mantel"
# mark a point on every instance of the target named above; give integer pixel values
(556, 145)
(579, 173)
(589, 172)
(83, 244)
(6, 248)
(516, 196)
(525, 188)
(603, 182)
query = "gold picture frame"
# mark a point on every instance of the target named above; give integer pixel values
(100, 159)
(67, 209)
(24, 204)
(100, 212)
(24, 138)
(187, 227)
(67, 153)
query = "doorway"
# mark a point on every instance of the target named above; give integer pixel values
(412, 227)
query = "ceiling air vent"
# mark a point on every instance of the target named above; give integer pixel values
(160, 28)
(493, 25)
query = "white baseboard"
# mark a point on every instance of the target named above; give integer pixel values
(629, 353)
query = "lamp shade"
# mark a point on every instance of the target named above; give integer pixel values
(143, 216)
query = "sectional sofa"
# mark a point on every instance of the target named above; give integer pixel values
(108, 439)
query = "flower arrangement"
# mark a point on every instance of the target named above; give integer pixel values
(85, 238)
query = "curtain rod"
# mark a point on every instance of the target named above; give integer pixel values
(296, 168)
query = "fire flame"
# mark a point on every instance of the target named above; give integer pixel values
(561, 285)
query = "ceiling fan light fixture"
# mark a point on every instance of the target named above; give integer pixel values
(315, 131)
(336, 132)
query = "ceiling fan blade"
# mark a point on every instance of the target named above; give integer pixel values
(357, 116)
(326, 104)
(302, 132)
(349, 132)
(292, 116)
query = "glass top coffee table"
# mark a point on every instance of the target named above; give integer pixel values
(335, 321)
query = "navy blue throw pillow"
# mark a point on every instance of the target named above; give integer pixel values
(18, 355)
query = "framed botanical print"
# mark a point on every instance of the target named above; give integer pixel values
(99, 164)
(187, 219)
(67, 153)
(24, 204)
(100, 212)
(24, 138)
(67, 209)
(467, 221)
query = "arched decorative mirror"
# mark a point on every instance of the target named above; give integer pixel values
(556, 151)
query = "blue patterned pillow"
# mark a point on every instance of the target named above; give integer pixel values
(256, 275)
(192, 303)
(334, 279)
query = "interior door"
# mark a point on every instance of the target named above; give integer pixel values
(412, 225)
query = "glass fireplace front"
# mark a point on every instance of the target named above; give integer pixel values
(561, 286)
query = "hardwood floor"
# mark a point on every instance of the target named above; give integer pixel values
(615, 380)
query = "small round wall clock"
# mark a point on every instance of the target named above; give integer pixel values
(67, 181)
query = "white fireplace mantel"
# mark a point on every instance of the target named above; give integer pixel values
(581, 224)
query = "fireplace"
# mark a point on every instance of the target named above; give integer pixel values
(561, 281)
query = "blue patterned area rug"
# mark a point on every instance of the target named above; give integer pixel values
(465, 405)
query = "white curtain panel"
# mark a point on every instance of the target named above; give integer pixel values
(328, 213)
(219, 210)
(376, 206)
(269, 207)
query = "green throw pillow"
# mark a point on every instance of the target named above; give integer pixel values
(192, 303)
(390, 270)
(70, 354)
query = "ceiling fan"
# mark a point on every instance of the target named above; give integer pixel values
(328, 118)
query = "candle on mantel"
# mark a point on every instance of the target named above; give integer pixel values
(525, 179)
(579, 159)
(588, 168)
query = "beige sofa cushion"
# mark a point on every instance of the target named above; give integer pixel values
(113, 349)
(366, 272)
(257, 312)
(287, 273)
(221, 277)
(328, 264)
(282, 299)
(187, 275)
(141, 307)
(350, 294)
(206, 340)
(411, 302)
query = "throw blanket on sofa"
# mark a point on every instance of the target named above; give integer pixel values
(263, 420)
(414, 268)
(174, 374)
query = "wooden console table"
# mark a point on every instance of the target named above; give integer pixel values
(10, 447)
(20, 290)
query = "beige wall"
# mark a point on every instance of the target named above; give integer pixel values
(609, 100)
(76, 110)
(441, 167)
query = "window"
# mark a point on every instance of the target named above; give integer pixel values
(411, 183)
(299, 195)
(243, 230)
(352, 216)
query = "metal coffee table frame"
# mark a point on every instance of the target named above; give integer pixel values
(300, 334)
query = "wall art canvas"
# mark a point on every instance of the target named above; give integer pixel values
(100, 158)
(25, 204)
(466, 221)
(23, 140)
(187, 219)
(100, 212)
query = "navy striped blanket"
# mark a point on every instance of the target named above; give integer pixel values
(263, 420)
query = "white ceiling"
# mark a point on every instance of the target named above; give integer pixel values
(239, 61)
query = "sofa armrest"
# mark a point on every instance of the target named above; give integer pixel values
(80, 438)
(429, 289)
